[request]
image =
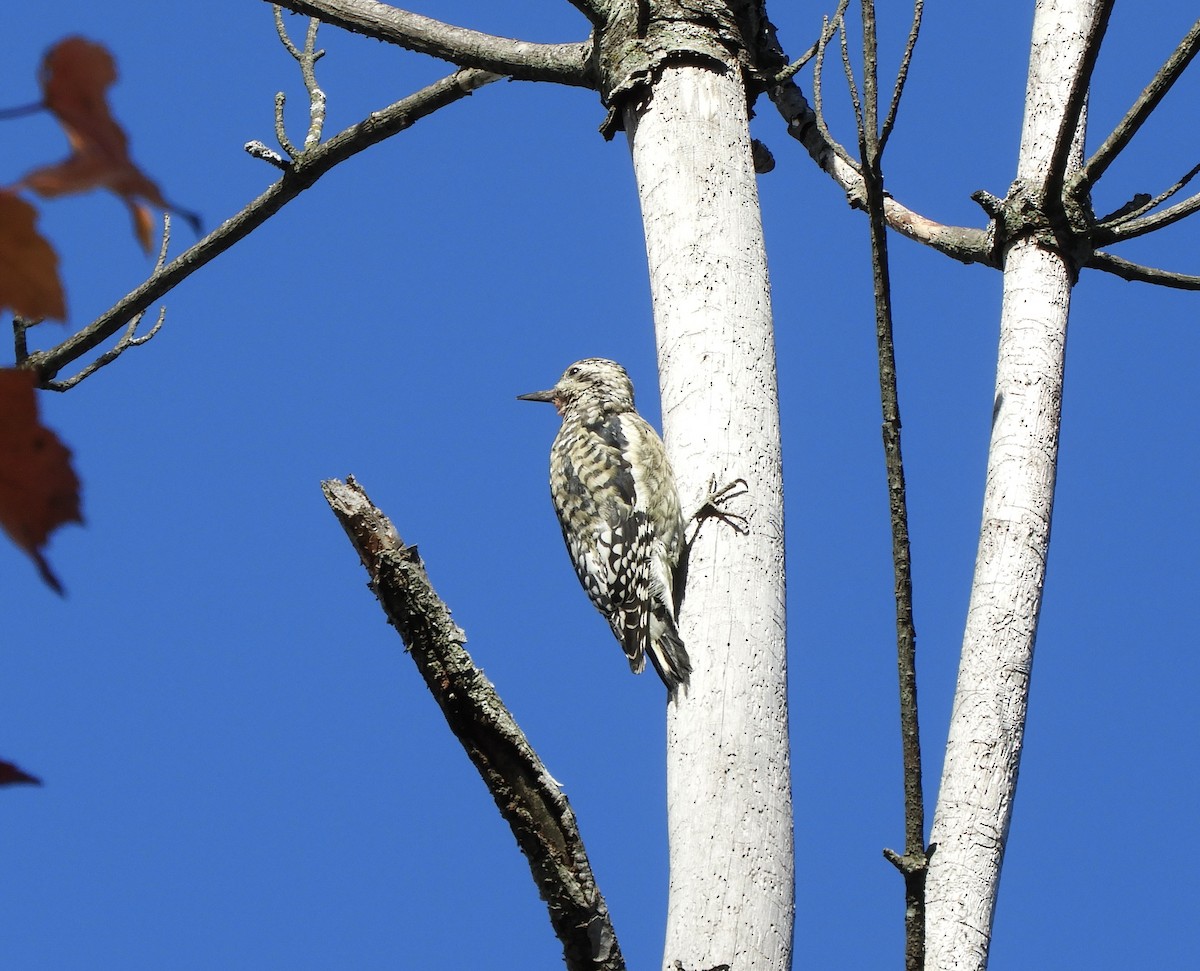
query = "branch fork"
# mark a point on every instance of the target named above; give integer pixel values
(1061, 217)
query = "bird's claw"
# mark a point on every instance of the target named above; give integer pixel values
(713, 505)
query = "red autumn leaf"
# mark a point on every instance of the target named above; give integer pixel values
(39, 490)
(11, 775)
(75, 75)
(29, 284)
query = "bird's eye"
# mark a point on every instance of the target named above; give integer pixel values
(572, 372)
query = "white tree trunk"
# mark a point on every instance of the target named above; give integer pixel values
(728, 779)
(987, 724)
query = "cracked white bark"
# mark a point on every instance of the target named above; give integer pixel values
(729, 794)
(988, 719)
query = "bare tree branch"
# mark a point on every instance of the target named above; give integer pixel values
(129, 338)
(1130, 228)
(869, 148)
(828, 29)
(963, 243)
(1056, 170)
(597, 11)
(22, 110)
(797, 65)
(867, 115)
(297, 177)
(281, 134)
(525, 61)
(1146, 102)
(807, 126)
(307, 59)
(902, 74)
(527, 796)
(1143, 204)
(1142, 274)
(914, 862)
(969, 245)
(848, 71)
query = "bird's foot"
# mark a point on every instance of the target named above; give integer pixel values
(713, 506)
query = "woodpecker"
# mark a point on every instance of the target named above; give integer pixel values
(618, 507)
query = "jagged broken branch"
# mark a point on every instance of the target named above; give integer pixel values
(527, 796)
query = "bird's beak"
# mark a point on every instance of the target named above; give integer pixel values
(547, 395)
(550, 395)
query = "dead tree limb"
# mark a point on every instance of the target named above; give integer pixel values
(527, 796)
(525, 61)
(297, 176)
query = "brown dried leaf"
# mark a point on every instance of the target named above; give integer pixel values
(11, 775)
(75, 75)
(39, 490)
(29, 284)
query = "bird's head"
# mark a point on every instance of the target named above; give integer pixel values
(593, 386)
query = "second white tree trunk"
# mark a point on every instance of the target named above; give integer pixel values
(987, 724)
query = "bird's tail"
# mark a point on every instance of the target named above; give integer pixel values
(667, 653)
(653, 634)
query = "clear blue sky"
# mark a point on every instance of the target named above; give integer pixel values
(242, 768)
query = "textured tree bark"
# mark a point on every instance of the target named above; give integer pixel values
(728, 780)
(529, 800)
(987, 726)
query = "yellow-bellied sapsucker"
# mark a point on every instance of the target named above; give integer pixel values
(615, 496)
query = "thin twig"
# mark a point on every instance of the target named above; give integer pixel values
(284, 37)
(129, 338)
(913, 863)
(1137, 273)
(21, 111)
(1138, 112)
(316, 96)
(307, 170)
(807, 125)
(127, 341)
(867, 115)
(796, 66)
(1148, 224)
(1146, 204)
(307, 59)
(828, 28)
(849, 72)
(910, 45)
(966, 244)
(281, 134)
